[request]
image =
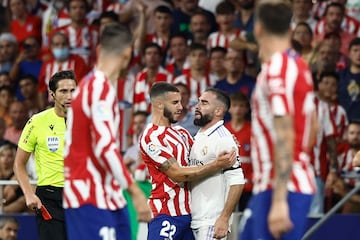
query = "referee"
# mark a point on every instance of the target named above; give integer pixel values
(43, 135)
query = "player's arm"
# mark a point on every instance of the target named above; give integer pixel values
(21, 159)
(279, 221)
(222, 223)
(184, 174)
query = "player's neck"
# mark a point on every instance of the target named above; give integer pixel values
(210, 124)
(160, 120)
(109, 67)
(272, 44)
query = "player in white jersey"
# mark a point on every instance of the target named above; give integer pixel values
(212, 210)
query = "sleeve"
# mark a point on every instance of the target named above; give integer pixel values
(28, 138)
(156, 150)
(105, 147)
(233, 175)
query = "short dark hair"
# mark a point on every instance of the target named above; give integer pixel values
(163, 9)
(328, 74)
(109, 14)
(275, 17)
(354, 42)
(221, 96)
(225, 7)
(115, 38)
(32, 78)
(239, 97)
(179, 35)
(218, 49)
(306, 25)
(144, 113)
(334, 4)
(152, 45)
(61, 75)
(161, 88)
(198, 46)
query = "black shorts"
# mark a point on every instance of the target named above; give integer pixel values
(51, 198)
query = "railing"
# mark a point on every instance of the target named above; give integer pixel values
(8, 182)
(332, 211)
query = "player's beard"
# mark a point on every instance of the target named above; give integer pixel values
(167, 113)
(203, 120)
(355, 145)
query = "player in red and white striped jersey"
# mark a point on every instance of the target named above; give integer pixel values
(153, 72)
(283, 126)
(95, 174)
(165, 151)
(225, 17)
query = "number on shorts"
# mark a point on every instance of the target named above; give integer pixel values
(107, 233)
(168, 230)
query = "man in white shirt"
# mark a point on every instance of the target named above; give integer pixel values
(211, 210)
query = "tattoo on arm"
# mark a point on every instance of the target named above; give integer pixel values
(166, 165)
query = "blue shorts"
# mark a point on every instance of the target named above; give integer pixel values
(255, 219)
(170, 227)
(89, 222)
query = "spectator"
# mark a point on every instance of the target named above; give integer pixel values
(23, 23)
(19, 116)
(6, 98)
(5, 79)
(245, 15)
(83, 37)
(13, 198)
(153, 72)
(303, 34)
(334, 15)
(2, 132)
(183, 15)
(62, 60)
(240, 127)
(324, 60)
(236, 79)
(178, 50)
(225, 17)
(28, 88)
(199, 28)
(198, 78)
(217, 66)
(162, 19)
(106, 18)
(302, 13)
(349, 83)
(27, 63)
(8, 51)
(9, 227)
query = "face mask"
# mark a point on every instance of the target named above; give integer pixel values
(61, 53)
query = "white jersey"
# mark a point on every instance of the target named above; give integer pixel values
(208, 195)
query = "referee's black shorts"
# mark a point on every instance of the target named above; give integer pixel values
(51, 198)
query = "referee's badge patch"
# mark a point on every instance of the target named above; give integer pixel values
(53, 143)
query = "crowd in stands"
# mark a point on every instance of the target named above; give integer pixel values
(192, 44)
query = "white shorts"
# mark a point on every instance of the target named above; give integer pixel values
(205, 233)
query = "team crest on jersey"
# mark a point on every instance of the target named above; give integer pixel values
(153, 149)
(204, 151)
(53, 143)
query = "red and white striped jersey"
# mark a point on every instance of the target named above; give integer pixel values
(94, 169)
(196, 87)
(82, 41)
(154, 38)
(170, 67)
(345, 157)
(338, 113)
(218, 39)
(284, 87)
(142, 88)
(326, 128)
(349, 24)
(157, 145)
(51, 67)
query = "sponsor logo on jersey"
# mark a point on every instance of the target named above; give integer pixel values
(153, 149)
